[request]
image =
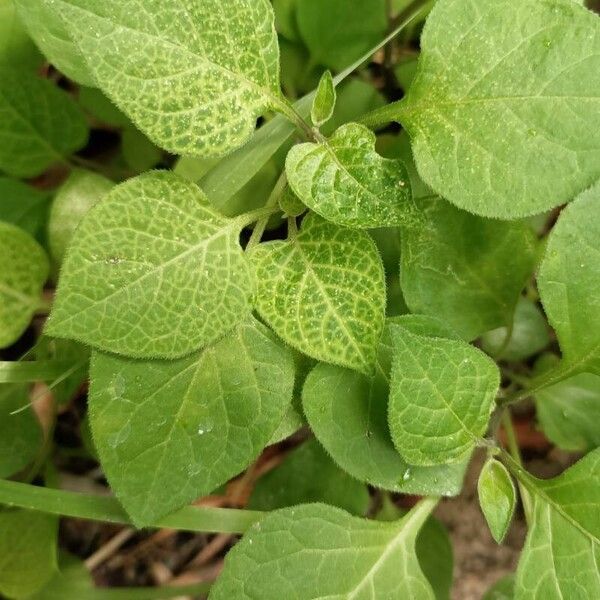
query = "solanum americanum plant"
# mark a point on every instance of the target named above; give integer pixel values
(285, 270)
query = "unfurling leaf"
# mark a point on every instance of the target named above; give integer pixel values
(344, 180)
(168, 432)
(324, 100)
(497, 497)
(193, 76)
(153, 271)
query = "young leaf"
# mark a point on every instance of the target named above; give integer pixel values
(16, 47)
(72, 202)
(39, 124)
(308, 475)
(503, 113)
(290, 204)
(497, 497)
(324, 101)
(168, 432)
(464, 269)
(441, 396)
(27, 551)
(153, 271)
(569, 280)
(317, 551)
(560, 557)
(20, 432)
(347, 182)
(324, 293)
(347, 411)
(23, 206)
(46, 27)
(193, 77)
(24, 271)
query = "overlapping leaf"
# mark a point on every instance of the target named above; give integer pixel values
(23, 205)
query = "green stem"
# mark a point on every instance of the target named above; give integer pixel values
(272, 205)
(104, 508)
(511, 437)
(292, 229)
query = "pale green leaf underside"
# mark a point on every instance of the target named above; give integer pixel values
(193, 76)
(504, 113)
(46, 28)
(347, 182)
(441, 396)
(39, 124)
(467, 270)
(324, 292)
(23, 271)
(317, 551)
(561, 558)
(153, 271)
(569, 280)
(168, 432)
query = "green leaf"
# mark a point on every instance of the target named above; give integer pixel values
(23, 206)
(24, 271)
(285, 18)
(503, 589)
(39, 124)
(465, 270)
(73, 200)
(323, 292)
(138, 151)
(20, 432)
(290, 204)
(308, 475)
(348, 413)
(101, 108)
(324, 101)
(497, 497)
(46, 27)
(27, 551)
(569, 280)
(529, 334)
(347, 182)
(168, 432)
(560, 557)
(503, 113)
(194, 79)
(16, 47)
(337, 31)
(441, 396)
(153, 271)
(317, 551)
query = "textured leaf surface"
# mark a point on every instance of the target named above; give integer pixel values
(153, 271)
(317, 551)
(72, 202)
(569, 280)
(23, 206)
(561, 557)
(347, 182)
(324, 293)
(308, 475)
(39, 124)
(193, 76)
(168, 432)
(27, 551)
(347, 411)
(441, 396)
(497, 497)
(463, 269)
(504, 111)
(22, 276)
(324, 100)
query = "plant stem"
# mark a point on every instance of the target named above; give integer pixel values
(103, 508)
(271, 205)
(35, 370)
(292, 229)
(511, 437)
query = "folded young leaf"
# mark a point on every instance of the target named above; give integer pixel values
(347, 182)
(347, 411)
(39, 124)
(560, 557)
(324, 101)
(441, 397)
(463, 269)
(46, 27)
(504, 111)
(168, 432)
(317, 551)
(153, 271)
(324, 293)
(24, 271)
(569, 280)
(497, 497)
(193, 76)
